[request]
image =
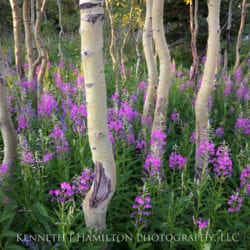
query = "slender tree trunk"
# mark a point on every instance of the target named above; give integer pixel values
(97, 199)
(138, 53)
(32, 7)
(194, 32)
(17, 38)
(60, 53)
(43, 56)
(8, 132)
(242, 24)
(228, 37)
(162, 51)
(147, 39)
(112, 46)
(28, 38)
(124, 41)
(201, 107)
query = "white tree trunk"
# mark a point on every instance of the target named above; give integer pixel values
(8, 132)
(201, 107)
(147, 39)
(60, 52)
(162, 51)
(43, 56)
(242, 24)
(28, 37)
(194, 32)
(17, 37)
(97, 199)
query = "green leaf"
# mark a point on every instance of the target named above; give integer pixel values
(8, 234)
(14, 247)
(41, 209)
(144, 246)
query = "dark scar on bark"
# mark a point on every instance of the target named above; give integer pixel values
(1, 81)
(93, 18)
(89, 5)
(102, 186)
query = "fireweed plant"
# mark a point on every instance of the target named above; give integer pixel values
(54, 169)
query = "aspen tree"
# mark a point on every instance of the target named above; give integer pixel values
(17, 38)
(28, 38)
(201, 106)
(242, 24)
(97, 199)
(147, 39)
(8, 132)
(43, 56)
(138, 53)
(60, 52)
(112, 46)
(194, 32)
(162, 51)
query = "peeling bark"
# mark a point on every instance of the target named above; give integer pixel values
(102, 186)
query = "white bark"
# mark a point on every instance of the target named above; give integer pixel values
(6, 125)
(97, 199)
(162, 51)
(242, 24)
(60, 52)
(28, 37)
(17, 37)
(147, 39)
(201, 107)
(43, 56)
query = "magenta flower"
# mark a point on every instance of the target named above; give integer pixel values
(158, 135)
(4, 168)
(27, 158)
(244, 124)
(142, 86)
(177, 161)
(47, 157)
(201, 223)
(48, 105)
(235, 203)
(174, 116)
(153, 164)
(223, 165)
(205, 148)
(22, 123)
(81, 184)
(60, 141)
(245, 180)
(192, 137)
(182, 86)
(141, 209)
(238, 74)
